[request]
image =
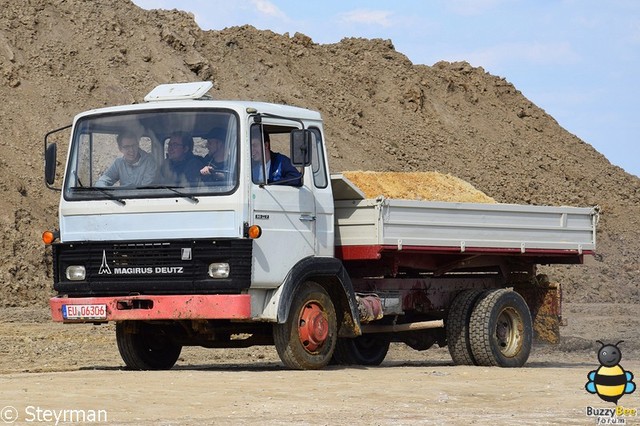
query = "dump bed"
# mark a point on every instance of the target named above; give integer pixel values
(460, 227)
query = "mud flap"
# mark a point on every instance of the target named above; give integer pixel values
(545, 303)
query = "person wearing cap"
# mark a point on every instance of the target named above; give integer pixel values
(136, 167)
(215, 161)
(278, 166)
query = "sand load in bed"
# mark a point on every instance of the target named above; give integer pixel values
(428, 186)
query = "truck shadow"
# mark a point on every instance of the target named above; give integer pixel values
(395, 364)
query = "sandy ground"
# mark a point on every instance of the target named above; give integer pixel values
(47, 368)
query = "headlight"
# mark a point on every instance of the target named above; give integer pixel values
(76, 273)
(219, 270)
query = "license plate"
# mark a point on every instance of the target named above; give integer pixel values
(84, 312)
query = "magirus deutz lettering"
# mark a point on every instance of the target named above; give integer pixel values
(149, 270)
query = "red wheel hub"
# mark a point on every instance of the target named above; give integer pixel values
(313, 326)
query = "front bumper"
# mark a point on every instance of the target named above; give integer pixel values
(158, 307)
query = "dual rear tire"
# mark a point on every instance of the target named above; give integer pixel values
(489, 328)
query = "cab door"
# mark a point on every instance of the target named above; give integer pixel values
(287, 216)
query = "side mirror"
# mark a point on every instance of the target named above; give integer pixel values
(301, 140)
(50, 163)
(50, 154)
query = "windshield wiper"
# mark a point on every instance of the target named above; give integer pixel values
(173, 189)
(101, 190)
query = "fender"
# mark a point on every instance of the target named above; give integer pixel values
(322, 270)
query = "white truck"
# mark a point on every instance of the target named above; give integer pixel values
(316, 269)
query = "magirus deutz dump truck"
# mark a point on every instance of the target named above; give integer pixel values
(255, 253)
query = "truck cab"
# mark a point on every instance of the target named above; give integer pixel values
(218, 246)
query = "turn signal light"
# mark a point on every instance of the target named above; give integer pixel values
(49, 237)
(254, 232)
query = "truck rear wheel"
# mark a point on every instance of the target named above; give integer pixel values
(500, 329)
(363, 350)
(308, 337)
(457, 326)
(145, 347)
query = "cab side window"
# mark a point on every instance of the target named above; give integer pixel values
(317, 160)
(270, 155)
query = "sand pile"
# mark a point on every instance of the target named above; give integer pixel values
(429, 186)
(382, 113)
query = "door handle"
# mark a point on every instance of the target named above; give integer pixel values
(307, 217)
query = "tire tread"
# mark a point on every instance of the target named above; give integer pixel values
(457, 326)
(480, 329)
(137, 356)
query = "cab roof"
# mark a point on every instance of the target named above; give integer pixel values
(193, 96)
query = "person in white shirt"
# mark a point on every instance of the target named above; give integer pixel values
(135, 168)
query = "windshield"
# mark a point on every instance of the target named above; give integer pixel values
(153, 154)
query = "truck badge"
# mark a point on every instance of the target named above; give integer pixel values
(186, 254)
(104, 268)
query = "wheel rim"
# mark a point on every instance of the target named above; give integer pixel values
(509, 332)
(313, 326)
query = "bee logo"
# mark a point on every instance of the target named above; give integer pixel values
(610, 381)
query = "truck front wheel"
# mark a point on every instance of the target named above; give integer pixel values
(308, 337)
(500, 329)
(145, 347)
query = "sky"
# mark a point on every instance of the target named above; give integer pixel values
(579, 60)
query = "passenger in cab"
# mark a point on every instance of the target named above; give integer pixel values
(181, 168)
(135, 168)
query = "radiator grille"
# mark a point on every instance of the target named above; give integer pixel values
(162, 267)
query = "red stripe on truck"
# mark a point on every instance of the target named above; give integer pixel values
(375, 251)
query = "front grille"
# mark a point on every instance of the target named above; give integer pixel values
(127, 255)
(163, 267)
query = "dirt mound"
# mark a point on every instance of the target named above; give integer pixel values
(382, 113)
(429, 186)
